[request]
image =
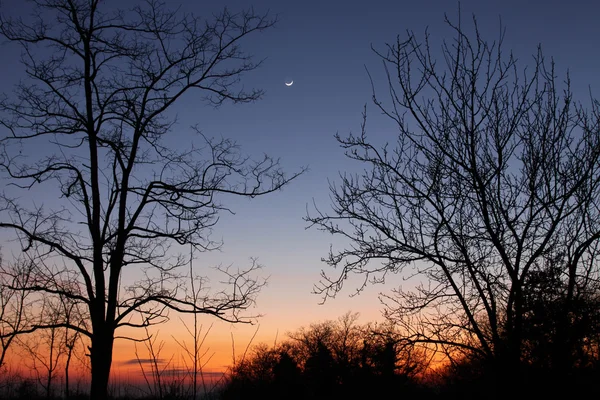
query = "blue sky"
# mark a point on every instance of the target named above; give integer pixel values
(324, 46)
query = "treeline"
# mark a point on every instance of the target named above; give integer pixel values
(345, 360)
(333, 359)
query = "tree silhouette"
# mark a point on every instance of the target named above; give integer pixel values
(492, 172)
(333, 359)
(252, 376)
(14, 306)
(321, 373)
(287, 378)
(561, 339)
(94, 117)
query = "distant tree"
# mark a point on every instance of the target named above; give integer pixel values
(43, 354)
(560, 339)
(195, 357)
(252, 376)
(71, 311)
(89, 128)
(321, 373)
(342, 336)
(492, 171)
(332, 359)
(14, 306)
(287, 377)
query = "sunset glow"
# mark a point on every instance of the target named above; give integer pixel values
(296, 198)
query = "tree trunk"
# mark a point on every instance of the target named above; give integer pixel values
(101, 360)
(67, 365)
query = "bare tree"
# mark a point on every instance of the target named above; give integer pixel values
(493, 173)
(45, 351)
(339, 358)
(195, 357)
(71, 311)
(93, 116)
(14, 305)
(158, 379)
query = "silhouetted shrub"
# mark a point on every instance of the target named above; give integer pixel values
(333, 360)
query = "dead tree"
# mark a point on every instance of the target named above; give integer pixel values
(492, 172)
(94, 116)
(14, 305)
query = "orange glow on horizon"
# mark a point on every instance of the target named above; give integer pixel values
(223, 342)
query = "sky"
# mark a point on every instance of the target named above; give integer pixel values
(325, 47)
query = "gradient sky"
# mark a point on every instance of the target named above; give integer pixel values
(324, 46)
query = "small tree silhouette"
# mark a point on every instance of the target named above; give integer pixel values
(332, 359)
(287, 378)
(320, 373)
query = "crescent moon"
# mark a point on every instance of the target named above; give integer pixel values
(289, 84)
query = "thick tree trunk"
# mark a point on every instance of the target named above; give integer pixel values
(101, 360)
